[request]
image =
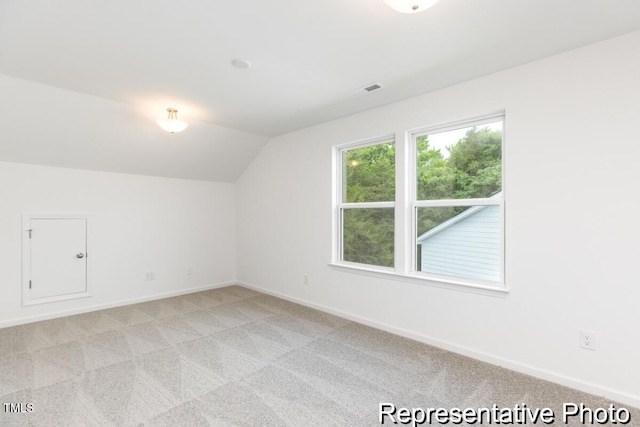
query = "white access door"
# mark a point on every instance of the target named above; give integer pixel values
(57, 258)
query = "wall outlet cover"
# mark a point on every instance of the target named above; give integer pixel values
(588, 340)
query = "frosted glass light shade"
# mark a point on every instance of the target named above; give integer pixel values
(410, 6)
(172, 124)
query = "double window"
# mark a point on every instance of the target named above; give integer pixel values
(430, 206)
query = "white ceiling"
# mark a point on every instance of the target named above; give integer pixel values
(306, 55)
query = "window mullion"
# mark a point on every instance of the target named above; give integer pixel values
(402, 215)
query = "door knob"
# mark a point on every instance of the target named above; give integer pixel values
(80, 255)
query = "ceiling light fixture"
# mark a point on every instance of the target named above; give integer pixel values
(171, 123)
(410, 6)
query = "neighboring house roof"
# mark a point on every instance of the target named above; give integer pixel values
(451, 221)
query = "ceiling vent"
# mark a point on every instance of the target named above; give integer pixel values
(371, 87)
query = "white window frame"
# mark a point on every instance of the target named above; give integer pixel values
(340, 205)
(415, 203)
(406, 205)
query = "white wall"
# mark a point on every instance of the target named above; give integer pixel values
(572, 176)
(139, 224)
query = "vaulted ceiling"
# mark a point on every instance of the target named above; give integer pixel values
(305, 55)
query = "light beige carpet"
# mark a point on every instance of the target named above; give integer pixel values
(235, 357)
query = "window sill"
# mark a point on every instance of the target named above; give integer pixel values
(462, 286)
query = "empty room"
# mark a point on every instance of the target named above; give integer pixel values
(319, 213)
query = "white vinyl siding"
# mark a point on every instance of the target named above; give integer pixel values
(467, 247)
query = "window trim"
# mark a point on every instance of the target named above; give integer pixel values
(406, 204)
(444, 282)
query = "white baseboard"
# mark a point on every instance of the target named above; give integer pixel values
(80, 310)
(624, 398)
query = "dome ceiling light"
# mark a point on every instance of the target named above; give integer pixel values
(172, 124)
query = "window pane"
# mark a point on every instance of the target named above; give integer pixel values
(460, 241)
(368, 236)
(464, 163)
(369, 174)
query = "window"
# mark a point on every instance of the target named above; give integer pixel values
(366, 203)
(446, 223)
(457, 208)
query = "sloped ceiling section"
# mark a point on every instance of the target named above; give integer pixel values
(45, 125)
(306, 55)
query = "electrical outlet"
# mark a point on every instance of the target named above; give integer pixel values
(190, 271)
(588, 340)
(305, 279)
(150, 276)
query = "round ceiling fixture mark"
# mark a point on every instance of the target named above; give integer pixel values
(241, 64)
(410, 6)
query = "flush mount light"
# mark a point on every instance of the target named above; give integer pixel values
(171, 123)
(410, 6)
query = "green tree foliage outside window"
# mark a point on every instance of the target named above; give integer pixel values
(369, 236)
(472, 170)
(369, 176)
